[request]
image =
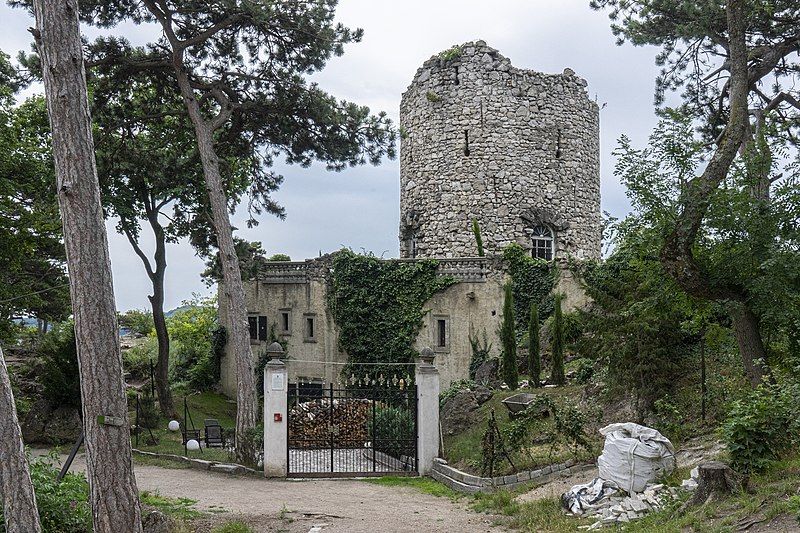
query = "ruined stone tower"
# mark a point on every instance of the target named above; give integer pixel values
(515, 149)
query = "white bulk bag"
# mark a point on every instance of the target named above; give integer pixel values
(634, 456)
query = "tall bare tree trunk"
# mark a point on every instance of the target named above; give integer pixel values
(112, 485)
(16, 489)
(233, 289)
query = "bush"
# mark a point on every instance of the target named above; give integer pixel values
(138, 321)
(584, 370)
(63, 507)
(195, 345)
(60, 374)
(148, 412)
(136, 360)
(762, 427)
(394, 428)
(508, 338)
(481, 351)
(454, 388)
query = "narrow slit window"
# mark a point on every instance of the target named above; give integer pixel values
(441, 333)
(466, 142)
(286, 322)
(252, 323)
(310, 333)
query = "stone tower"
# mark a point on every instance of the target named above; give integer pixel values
(515, 149)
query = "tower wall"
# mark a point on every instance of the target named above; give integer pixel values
(510, 147)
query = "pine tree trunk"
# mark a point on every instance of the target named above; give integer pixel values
(112, 486)
(233, 289)
(165, 403)
(16, 489)
(748, 337)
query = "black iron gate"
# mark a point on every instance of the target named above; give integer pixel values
(367, 429)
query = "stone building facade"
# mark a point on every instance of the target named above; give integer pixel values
(515, 149)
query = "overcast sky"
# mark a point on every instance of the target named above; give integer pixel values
(359, 207)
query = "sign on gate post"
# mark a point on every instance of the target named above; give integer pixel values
(427, 378)
(275, 420)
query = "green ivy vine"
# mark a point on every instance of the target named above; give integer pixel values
(532, 281)
(378, 307)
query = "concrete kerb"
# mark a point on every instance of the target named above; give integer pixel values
(470, 484)
(202, 464)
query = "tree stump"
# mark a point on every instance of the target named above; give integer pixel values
(715, 479)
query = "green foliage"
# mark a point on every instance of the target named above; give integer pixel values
(534, 354)
(180, 508)
(763, 427)
(233, 527)
(557, 371)
(454, 388)
(33, 279)
(378, 307)
(148, 410)
(63, 506)
(60, 373)
(195, 347)
(481, 351)
(476, 230)
(136, 359)
(532, 281)
(508, 338)
(453, 52)
(392, 427)
(137, 320)
(279, 257)
(584, 370)
(250, 254)
(432, 97)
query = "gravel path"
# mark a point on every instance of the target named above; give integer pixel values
(341, 505)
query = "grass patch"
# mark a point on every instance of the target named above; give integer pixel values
(201, 406)
(233, 527)
(463, 451)
(545, 515)
(159, 462)
(179, 508)
(422, 484)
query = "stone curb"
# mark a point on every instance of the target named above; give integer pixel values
(201, 464)
(470, 484)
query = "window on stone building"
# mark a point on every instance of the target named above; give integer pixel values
(542, 243)
(285, 323)
(309, 328)
(252, 323)
(262, 328)
(258, 327)
(441, 333)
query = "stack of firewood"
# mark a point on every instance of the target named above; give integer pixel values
(312, 423)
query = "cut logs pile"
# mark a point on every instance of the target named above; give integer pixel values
(312, 423)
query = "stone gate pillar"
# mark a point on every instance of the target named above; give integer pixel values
(275, 410)
(427, 379)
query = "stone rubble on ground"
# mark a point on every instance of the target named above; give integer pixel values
(619, 508)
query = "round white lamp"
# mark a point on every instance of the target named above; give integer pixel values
(174, 425)
(192, 445)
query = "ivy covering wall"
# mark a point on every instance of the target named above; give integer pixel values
(532, 281)
(378, 307)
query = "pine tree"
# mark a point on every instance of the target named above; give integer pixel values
(557, 375)
(534, 356)
(509, 340)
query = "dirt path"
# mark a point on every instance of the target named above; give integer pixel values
(297, 506)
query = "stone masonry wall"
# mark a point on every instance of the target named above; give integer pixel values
(510, 147)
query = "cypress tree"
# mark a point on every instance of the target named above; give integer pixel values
(534, 356)
(508, 338)
(476, 229)
(557, 375)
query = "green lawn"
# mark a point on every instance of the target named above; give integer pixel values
(464, 450)
(201, 406)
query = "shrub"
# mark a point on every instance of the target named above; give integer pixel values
(454, 388)
(195, 347)
(534, 355)
(481, 351)
(60, 374)
(557, 373)
(138, 321)
(476, 230)
(394, 429)
(509, 339)
(762, 427)
(584, 370)
(63, 507)
(148, 412)
(136, 360)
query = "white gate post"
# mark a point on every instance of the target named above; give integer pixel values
(427, 379)
(275, 410)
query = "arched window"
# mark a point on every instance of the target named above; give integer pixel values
(542, 241)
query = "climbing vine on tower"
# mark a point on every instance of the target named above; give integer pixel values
(378, 307)
(532, 281)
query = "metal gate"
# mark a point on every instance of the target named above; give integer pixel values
(366, 429)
